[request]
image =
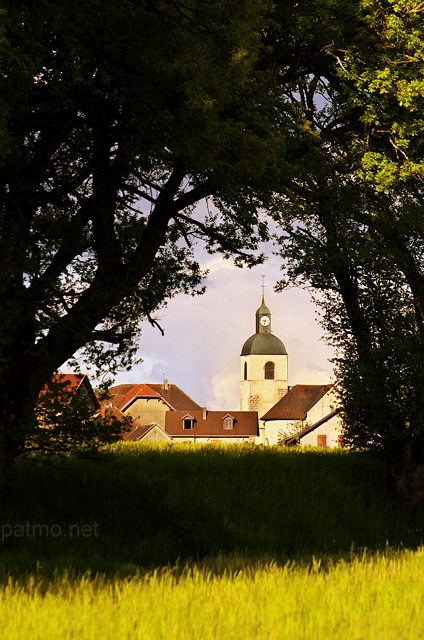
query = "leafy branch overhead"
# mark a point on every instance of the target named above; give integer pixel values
(108, 138)
(117, 119)
(350, 224)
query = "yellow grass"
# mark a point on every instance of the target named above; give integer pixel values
(377, 597)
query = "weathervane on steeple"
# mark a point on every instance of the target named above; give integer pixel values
(263, 288)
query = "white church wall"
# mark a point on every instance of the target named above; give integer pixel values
(256, 366)
(272, 431)
(322, 408)
(257, 393)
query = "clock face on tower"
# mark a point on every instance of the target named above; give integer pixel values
(264, 321)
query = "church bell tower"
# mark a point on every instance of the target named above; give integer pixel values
(264, 366)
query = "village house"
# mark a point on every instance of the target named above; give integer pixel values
(148, 404)
(133, 431)
(217, 427)
(164, 413)
(306, 415)
(65, 388)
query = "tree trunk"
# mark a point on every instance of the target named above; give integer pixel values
(407, 476)
(6, 461)
(18, 395)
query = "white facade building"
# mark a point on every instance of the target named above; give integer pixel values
(308, 415)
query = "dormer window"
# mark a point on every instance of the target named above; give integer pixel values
(188, 422)
(228, 422)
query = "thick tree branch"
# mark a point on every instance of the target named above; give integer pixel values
(108, 288)
(210, 232)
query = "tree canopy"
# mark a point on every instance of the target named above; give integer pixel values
(352, 227)
(118, 117)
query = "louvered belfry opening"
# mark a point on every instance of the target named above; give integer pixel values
(269, 370)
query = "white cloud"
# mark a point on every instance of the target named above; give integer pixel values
(224, 392)
(218, 263)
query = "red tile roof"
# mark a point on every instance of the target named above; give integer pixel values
(70, 383)
(297, 402)
(72, 379)
(126, 394)
(176, 397)
(245, 424)
(121, 389)
(122, 395)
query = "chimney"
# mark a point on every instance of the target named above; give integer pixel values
(165, 385)
(204, 413)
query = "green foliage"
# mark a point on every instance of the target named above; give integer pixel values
(386, 70)
(364, 268)
(98, 119)
(69, 422)
(116, 119)
(350, 218)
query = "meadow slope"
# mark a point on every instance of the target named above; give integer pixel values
(195, 542)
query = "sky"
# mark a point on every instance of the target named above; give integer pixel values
(203, 336)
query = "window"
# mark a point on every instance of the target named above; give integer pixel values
(269, 370)
(245, 370)
(321, 441)
(228, 422)
(188, 423)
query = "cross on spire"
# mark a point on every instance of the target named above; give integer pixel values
(263, 288)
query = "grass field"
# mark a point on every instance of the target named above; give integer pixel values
(177, 542)
(367, 598)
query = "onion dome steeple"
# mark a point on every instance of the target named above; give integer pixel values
(263, 341)
(263, 318)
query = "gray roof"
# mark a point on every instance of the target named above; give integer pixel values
(176, 397)
(263, 343)
(263, 309)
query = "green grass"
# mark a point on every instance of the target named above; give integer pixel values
(367, 598)
(195, 542)
(153, 506)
